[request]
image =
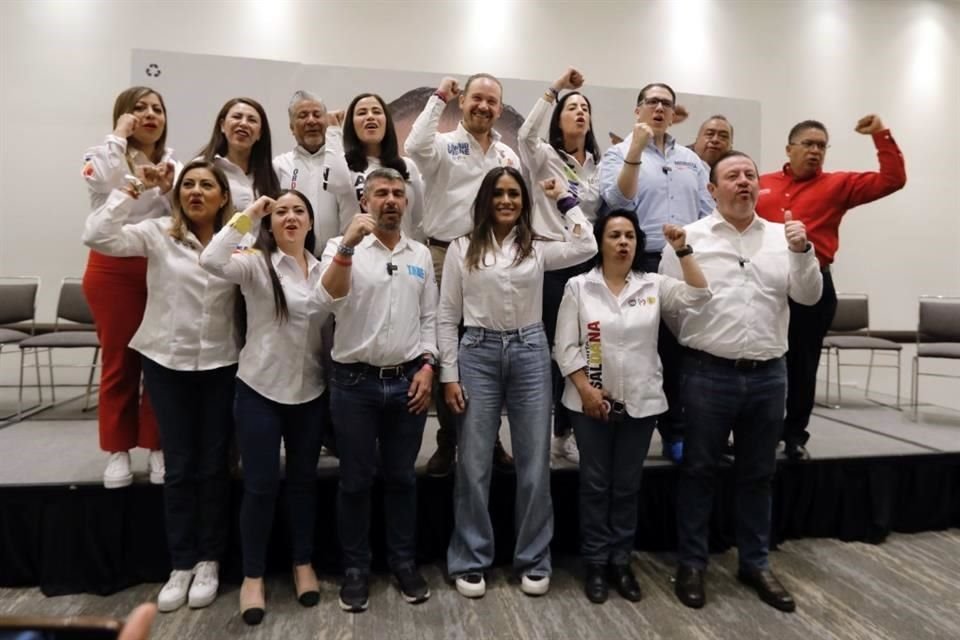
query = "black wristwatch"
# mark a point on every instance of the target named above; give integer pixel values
(428, 358)
(686, 251)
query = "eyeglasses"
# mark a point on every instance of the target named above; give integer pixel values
(812, 144)
(653, 102)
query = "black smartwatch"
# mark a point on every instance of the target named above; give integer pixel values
(686, 251)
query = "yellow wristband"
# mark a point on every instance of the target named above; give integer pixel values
(240, 222)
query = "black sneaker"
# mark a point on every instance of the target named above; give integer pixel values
(413, 587)
(355, 592)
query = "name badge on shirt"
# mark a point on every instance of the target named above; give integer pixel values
(457, 149)
(417, 272)
(683, 164)
(641, 301)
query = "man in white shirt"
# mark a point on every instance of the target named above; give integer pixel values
(303, 168)
(453, 165)
(379, 284)
(735, 372)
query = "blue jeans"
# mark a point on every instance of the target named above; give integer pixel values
(498, 367)
(195, 421)
(719, 398)
(366, 411)
(261, 423)
(611, 463)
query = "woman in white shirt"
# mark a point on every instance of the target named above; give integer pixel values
(279, 383)
(493, 281)
(570, 151)
(116, 288)
(240, 146)
(368, 141)
(607, 348)
(189, 352)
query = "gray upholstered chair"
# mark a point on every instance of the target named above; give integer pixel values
(853, 315)
(938, 336)
(18, 305)
(72, 307)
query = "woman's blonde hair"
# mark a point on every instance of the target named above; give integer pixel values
(180, 223)
(126, 102)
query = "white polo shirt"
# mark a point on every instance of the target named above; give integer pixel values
(453, 165)
(301, 170)
(188, 324)
(751, 275)
(613, 338)
(501, 295)
(389, 316)
(281, 359)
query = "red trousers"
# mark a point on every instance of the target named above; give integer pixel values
(116, 290)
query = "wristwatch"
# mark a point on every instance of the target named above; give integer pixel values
(686, 251)
(429, 359)
(345, 250)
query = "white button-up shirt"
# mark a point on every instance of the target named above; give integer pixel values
(304, 171)
(751, 275)
(188, 324)
(501, 295)
(105, 168)
(388, 317)
(541, 161)
(280, 359)
(453, 165)
(613, 338)
(242, 192)
(347, 185)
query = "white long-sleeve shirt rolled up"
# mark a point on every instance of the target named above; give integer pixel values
(452, 165)
(501, 295)
(751, 275)
(613, 338)
(541, 161)
(304, 171)
(389, 316)
(347, 186)
(105, 168)
(281, 359)
(188, 323)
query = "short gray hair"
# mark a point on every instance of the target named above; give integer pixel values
(299, 96)
(383, 173)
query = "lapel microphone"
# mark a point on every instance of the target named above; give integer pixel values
(391, 268)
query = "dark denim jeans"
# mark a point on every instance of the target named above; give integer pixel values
(368, 411)
(719, 398)
(611, 464)
(261, 424)
(195, 421)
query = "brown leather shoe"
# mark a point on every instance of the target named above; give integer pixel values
(768, 588)
(306, 584)
(252, 601)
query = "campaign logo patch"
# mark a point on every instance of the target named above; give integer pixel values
(457, 149)
(417, 272)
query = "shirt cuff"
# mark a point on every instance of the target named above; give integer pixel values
(241, 222)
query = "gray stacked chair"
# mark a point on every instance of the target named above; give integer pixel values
(938, 336)
(18, 305)
(71, 306)
(853, 315)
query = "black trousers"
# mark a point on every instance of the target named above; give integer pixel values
(808, 326)
(670, 424)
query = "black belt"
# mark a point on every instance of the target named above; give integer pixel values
(740, 364)
(433, 242)
(384, 373)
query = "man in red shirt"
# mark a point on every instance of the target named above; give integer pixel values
(820, 200)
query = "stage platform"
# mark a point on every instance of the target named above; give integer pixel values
(874, 470)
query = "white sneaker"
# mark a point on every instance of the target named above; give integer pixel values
(206, 582)
(173, 595)
(157, 468)
(117, 474)
(565, 447)
(472, 585)
(535, 585)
